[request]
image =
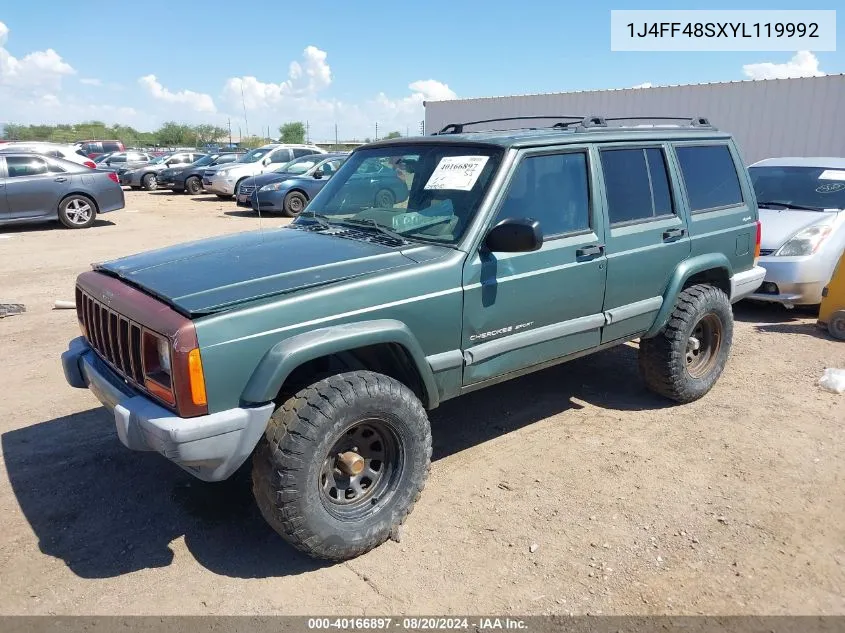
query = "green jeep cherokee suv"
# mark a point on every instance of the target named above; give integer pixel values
(316, 348)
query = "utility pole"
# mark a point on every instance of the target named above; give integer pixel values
(307, 132)
(376, 130)
(335, 136)
(422, 127)
(229, 123)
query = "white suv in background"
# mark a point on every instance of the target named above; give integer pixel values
(55, 150)
(224, 180)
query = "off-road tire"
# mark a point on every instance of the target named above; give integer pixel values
(294, 204)
(149, 182)
(193, 185)
(289, 461)
(663, 359)
(72, 212)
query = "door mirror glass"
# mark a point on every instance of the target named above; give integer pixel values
(318, 174)
(515, 235)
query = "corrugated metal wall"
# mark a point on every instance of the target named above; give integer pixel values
(778, 117)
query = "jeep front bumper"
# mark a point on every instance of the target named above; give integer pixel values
(210, 447)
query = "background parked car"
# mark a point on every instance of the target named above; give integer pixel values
(99, 147)
(189, 178)
(146, 176)
(225, 179)
(802, 213)
(54, 150)
(41, 188)
(129, 159)
(289, 189)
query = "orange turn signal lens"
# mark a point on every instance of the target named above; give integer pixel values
(197, 378)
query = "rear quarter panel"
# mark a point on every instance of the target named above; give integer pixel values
(731, 231)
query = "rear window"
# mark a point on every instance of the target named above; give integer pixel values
(710, 176)
(109, 146)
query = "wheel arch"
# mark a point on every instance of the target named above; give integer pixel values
(712, 268)
(384, 346)
(79, 192)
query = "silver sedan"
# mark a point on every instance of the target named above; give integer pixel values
(37, 188)
(802, 214)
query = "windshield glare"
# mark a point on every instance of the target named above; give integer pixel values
(205, 160)
(159, 159)
(801, 186)
(298, 165)
(253, 155)
(424, 191)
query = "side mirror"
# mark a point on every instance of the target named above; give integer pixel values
(515, 235)
(318, 174)
(265, 162)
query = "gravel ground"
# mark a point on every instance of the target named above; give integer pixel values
(572, 490)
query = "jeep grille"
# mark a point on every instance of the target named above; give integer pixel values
(116, 339)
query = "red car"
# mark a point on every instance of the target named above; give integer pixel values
(93, 148)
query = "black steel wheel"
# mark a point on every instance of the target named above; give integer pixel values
(294, 204)
(385, 199)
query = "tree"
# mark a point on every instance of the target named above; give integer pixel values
(251, 142)
(206, 133)
(173, 134)
(293, 132)
(394, 135)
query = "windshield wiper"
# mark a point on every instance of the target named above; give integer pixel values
(789, 205)
(319, 218)
(372, 223)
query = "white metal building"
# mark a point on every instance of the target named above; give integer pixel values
(768, 118)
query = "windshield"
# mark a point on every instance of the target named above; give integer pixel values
(425, 191)
(205, 160)
(298, 165)
(254, 155)
(813, 187)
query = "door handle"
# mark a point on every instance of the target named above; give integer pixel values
(60, 179)
(590, 251)
(672, 234)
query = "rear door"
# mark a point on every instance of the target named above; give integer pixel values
(34, 186)
(524, 309)
(647, 234)
(721, 209)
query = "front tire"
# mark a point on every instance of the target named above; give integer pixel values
(294, 204)
(149, 182)
(193, 185)
(77, 212)
(342, 463)
(685, 359)
(836, 325)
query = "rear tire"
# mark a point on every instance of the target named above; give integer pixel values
(836, 325)
(149, 182)
(685, 359)
(298, 475)
(77, 212)
(193, 185)
(294, 204)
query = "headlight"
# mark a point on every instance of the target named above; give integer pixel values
(163, 349)
(805, 242)
(158, 380)
(273, 186)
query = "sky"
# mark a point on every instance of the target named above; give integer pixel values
(353, 65)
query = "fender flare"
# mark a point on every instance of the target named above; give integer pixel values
(281, 359)
(685, 270)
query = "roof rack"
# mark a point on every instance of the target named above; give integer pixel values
(578, 122)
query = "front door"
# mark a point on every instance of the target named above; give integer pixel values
(32, 190)
(647, 236)
(524, 309)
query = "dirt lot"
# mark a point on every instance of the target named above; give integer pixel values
(733, 504)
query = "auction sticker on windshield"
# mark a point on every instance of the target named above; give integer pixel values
(832, 174)
(458, 173)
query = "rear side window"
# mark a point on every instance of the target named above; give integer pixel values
(302, 151)
(637, 184)
(709, 176)
(553, 190)
(19, 166)
(112, 147)
(280, 156)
